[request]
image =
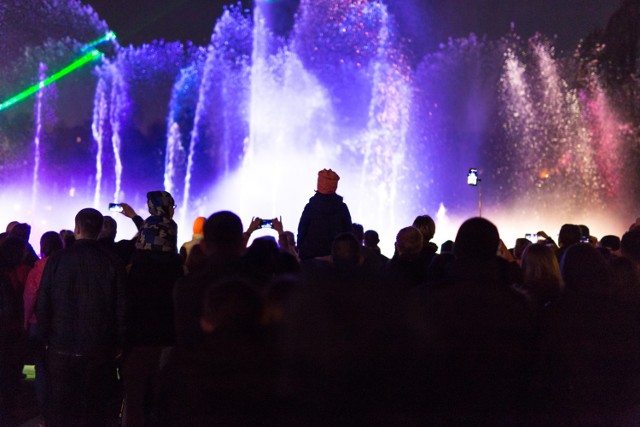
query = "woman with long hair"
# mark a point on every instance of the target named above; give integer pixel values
(542, 278)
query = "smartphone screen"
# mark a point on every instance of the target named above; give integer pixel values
(266, 223)
(115, 207)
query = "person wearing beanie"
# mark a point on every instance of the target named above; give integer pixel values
(323, 218)
(198, 226)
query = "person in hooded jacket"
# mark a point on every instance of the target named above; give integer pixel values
(323, 218)
(154, 267)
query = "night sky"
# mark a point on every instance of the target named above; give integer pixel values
(426, 22)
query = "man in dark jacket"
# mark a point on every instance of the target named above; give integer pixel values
(323, 218)
(80, 313)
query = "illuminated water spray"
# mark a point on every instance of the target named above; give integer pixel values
(199, 128)
(564, 140)
(100, 132)
(110, 111)
(384, 145)
(607, 132)
(520, 117)
(290, 123)
(253, 116)
(179, 124)
(119, 110)
(38, 136)
(222, 108)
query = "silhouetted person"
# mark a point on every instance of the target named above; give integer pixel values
(542, 278)
(68, 238)
(262, 258)
(266, 260)
(481, 331)
(408, 268)
(124, 248)
(22, 231)
(447, 247)
(80, 312)
(585, 233)
(10, 226)
(345, 251)
(346, 266)
(625, 285)
(11, 329)
(223, 246)
(196, 260)
(227, 379)
(570, 234)
(369, 255)
(589, 352)
(50, 243)
(198, 225)
(323, 218)
(521, 244)
(612, 243)
(20, 249)
(371, 241)
(427, 227)
(630, 246)
(343, 346)
(107, 236)
(358, 232)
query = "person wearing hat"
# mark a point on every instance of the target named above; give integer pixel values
(198, 226)
(323, 218)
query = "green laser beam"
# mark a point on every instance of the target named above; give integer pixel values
(110, 35)
(44, 83)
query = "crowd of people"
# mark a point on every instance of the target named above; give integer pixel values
(325, 330)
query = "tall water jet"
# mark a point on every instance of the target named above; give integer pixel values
(385, 141)
(607, 131)
(45, 119)
(100, 132)
(290, 123)
(111, 111)
(179, 123)
(519, 121)
(220, 128)
(38, 134)
(174, 157)
(119, 111)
